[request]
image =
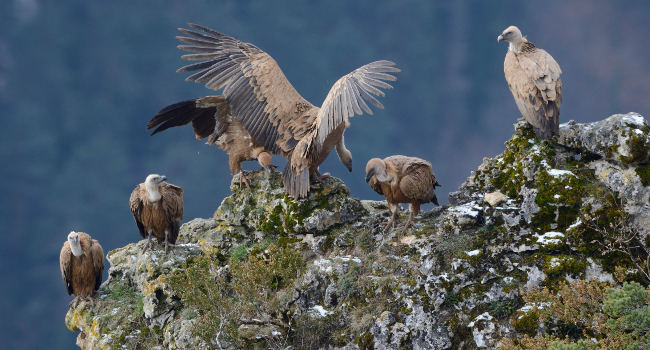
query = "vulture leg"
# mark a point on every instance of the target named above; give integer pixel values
(393, 209)
(149, 244)
(244, 179)
(166, 240)
(409, 222)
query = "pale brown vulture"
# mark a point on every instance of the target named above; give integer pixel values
(157, 208)
(82, 264)
(273, 112)
(402, 179)
(211, 118)
(533, 77)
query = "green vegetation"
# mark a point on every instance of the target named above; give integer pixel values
(256, 284)
(616, 317)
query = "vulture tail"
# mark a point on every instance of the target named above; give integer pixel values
(297, 185)
(203, 118)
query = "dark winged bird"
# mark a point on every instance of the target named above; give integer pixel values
(82, 264)
(533, 77)
(402, 179)
(157, 207)
(273, 112)
(211, 117)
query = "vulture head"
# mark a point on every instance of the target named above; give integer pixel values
(512, 35)
(151, 183)
(75, 244)
(376, 167)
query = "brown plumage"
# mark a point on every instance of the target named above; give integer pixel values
(211, 118)
(402, 179)
(157, 208)
(273, 112)
(82, 264)
(533, 77)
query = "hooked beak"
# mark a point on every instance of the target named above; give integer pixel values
(349, 167)
(163, 178)
(500, 38)
(370, 174)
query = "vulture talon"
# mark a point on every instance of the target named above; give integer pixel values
(244, 179)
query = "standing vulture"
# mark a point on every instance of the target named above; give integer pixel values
(533, 77)
(82, 264)
(402, 179)
(157, 208)
(273, 112)
(211, 118)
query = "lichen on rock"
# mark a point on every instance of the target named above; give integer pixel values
(268, 271)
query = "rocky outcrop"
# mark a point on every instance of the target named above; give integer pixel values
(268, 271)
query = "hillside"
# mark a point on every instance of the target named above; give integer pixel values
(539, 245)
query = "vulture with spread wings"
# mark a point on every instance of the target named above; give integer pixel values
(272, 111)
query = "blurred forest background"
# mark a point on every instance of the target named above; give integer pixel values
(79, 80)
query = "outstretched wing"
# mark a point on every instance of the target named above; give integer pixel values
(209, 116)
(348, 96)
(136, 205)
(255, 87)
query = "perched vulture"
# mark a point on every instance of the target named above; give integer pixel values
(211, 118)
(402, 179)
(273, 112)
(82, 264)
(157, 208)
(533, 77)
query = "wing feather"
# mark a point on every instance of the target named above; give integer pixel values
(255, 87)
(534, 80)
(64, 264)
(136, 204)
(97, 256)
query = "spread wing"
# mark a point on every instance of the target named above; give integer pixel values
(64, 264)
(136, 204)
(209, 116)
(255, 87)
(534, 80)
(173, 207)
(97, 256)
(348, 96)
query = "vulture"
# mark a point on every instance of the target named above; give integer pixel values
(402, 179)
(533, 77)
(275, 115)
(157, 208)
(211, 118)
(82, 264)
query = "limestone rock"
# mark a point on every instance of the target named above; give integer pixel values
(495, 198)
(267, 271)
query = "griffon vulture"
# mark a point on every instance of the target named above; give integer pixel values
(82, 264)
(211, 118)
(533, 77)
(273, 112)
(157, 208)
(402, 179)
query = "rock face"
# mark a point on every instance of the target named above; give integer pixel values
(271, 272)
